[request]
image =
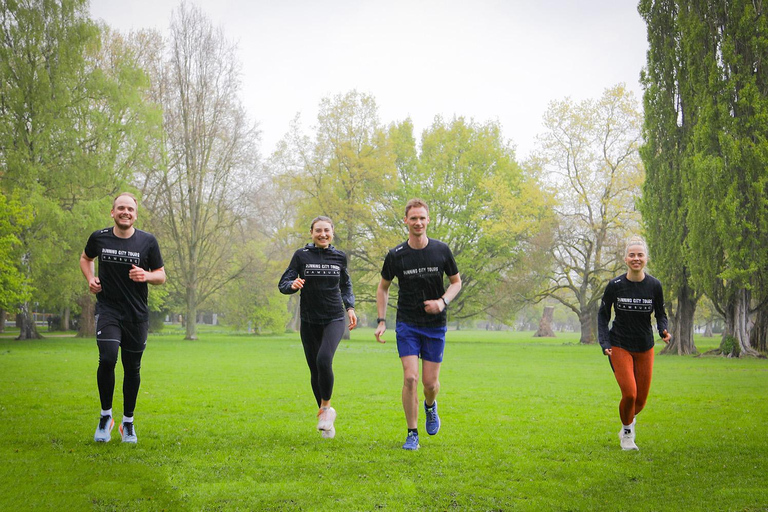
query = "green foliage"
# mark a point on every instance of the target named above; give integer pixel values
(15, 217)
(233, 428)
(482, 204)
(706, 201)
(72, 124)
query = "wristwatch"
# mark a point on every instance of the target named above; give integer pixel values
(379, 320)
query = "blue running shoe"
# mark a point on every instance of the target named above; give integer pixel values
(412, 441)
(433, 420)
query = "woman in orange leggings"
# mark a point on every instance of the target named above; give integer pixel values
(629, 341)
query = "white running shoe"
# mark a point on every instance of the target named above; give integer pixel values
(325, 418)
(128, 432)
(329, 434)
(104, 429)
(627, 440)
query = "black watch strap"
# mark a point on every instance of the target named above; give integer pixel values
(379, 320)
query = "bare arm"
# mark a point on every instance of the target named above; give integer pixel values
(139, 275)
(87, 267)
(437, 306)
(382, 297)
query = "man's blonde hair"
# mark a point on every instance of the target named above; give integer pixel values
(416, 203)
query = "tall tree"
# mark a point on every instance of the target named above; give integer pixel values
(726, 47)
(668, 100)
(589, 152)
(206, 160)
(68, 127)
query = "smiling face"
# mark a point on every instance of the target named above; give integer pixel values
(417, 220)
(124, 211)
(636, 257)
(322, 234)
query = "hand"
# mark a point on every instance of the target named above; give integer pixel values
(379, 332)
(434, 307)
(137, 274)
(94, 285)
(297, 284)
(352, 318)
(665, 337)
(608, 351)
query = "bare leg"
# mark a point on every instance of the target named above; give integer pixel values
(410, 389)
(431, 380)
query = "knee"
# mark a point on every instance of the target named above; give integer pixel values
(324, 363)
(410, 380)
(107, 361)
(431, 386)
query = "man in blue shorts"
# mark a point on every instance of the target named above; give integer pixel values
(419, 265)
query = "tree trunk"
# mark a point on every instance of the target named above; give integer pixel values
(682, 324)
(27, 327)
(735, 342)
(759, 334)
(545, 324)
(87, 326)
(708, 330)
(191, 315)
(65, 319)
(2, 320)
(588, 321)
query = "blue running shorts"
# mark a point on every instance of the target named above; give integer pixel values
(426, 342)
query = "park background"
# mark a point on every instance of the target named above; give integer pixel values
(676, 151)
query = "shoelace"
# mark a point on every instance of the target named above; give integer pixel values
(103, 421)
(128, 429)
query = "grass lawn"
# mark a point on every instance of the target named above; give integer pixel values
(227, 423)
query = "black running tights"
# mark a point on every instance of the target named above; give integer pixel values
(105, 375)
(320, 344)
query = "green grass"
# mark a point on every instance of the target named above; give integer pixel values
(227, 423)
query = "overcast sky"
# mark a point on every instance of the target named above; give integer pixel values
(501, 60)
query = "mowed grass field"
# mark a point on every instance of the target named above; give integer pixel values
(228, 423)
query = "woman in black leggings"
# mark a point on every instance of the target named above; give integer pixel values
(319, 270)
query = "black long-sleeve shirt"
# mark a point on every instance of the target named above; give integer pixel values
(327, 291)
(633, 302)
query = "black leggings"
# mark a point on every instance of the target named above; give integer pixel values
(105, 375)
(320, 343)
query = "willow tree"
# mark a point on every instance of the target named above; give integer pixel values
(667, 133)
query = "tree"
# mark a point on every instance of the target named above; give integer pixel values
(68, 129)
(589, 152)
(14, 218)
(344, 173)
(729, 249)
(481, 203)
(205, 162)
(667, 132)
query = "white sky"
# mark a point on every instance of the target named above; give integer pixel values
(501, 60)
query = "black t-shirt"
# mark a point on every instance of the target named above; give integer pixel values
(419, 275)
(633, 302)
(120, 295)
(327, 291)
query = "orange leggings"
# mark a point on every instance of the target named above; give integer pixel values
(633, 371)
